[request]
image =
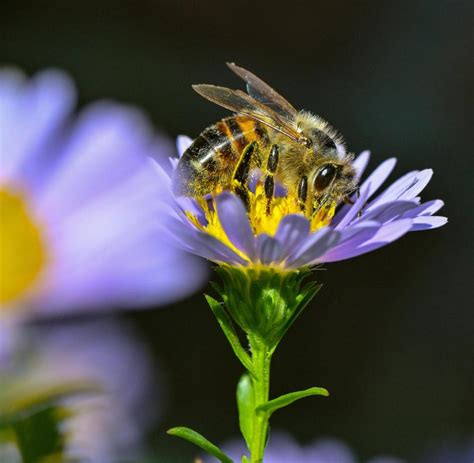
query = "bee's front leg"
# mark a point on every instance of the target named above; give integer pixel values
(348, 200)
(303, 192)
(269, 184)
(241, 172)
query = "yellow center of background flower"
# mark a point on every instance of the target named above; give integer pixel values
(261, 219)
(22, 248)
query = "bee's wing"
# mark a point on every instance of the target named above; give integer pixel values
(240, 102)
(262, 92)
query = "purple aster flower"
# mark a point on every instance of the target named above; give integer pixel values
(222, 230)
(102, 427)
(265, 234)
(282, 448)
(80, 204)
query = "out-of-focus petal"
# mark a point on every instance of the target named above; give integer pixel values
(95, 197)
(30, 114)
(182, 144)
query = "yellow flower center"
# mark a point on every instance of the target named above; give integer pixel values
(22, 248)
(264, 217)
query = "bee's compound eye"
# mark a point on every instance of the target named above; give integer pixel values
(324, 177)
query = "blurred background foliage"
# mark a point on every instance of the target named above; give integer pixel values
(391, 333)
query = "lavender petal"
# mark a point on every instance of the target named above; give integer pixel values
(315, 246)
(234, 220)
(425, 209)
(395, 190)
(292, 232)
(354, 210)
(197, 242)
(384, 235)
(378, 176)
(389, 211)
(422, 179)
(360, 162)
(269, 249)
(426, 222)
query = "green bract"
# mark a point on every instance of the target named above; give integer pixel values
(264, 302)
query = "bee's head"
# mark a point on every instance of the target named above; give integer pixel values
(332, 179)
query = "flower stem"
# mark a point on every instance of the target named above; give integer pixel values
(261, 359)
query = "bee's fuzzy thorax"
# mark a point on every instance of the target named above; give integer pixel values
(306, 121)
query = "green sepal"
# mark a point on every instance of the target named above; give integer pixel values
(226, 324)
(199, 440)
(246, 407)
(287, 399)
(264, 302)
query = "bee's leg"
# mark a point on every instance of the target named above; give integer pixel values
(303, 192)
(359, 214)
(269, 185)
(241, 173)
(348, 200)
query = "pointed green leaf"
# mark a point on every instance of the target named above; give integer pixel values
(245, 459)
(229, 331)
(246, 406)
(287, 399)
(199, 440)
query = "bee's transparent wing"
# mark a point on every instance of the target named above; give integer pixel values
(240, 102)
(265, 94)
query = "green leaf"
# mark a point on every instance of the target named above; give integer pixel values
(287, 399)
(246, 406)
(199, 440)
(245, 459)
(229, 331)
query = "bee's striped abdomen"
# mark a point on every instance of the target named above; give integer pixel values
(211, 158)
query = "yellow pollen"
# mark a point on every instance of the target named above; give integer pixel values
(22, 248)
(261, 219)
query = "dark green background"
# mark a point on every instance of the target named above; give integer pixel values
(391, 334)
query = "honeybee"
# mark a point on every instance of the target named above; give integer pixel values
(296, 149)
